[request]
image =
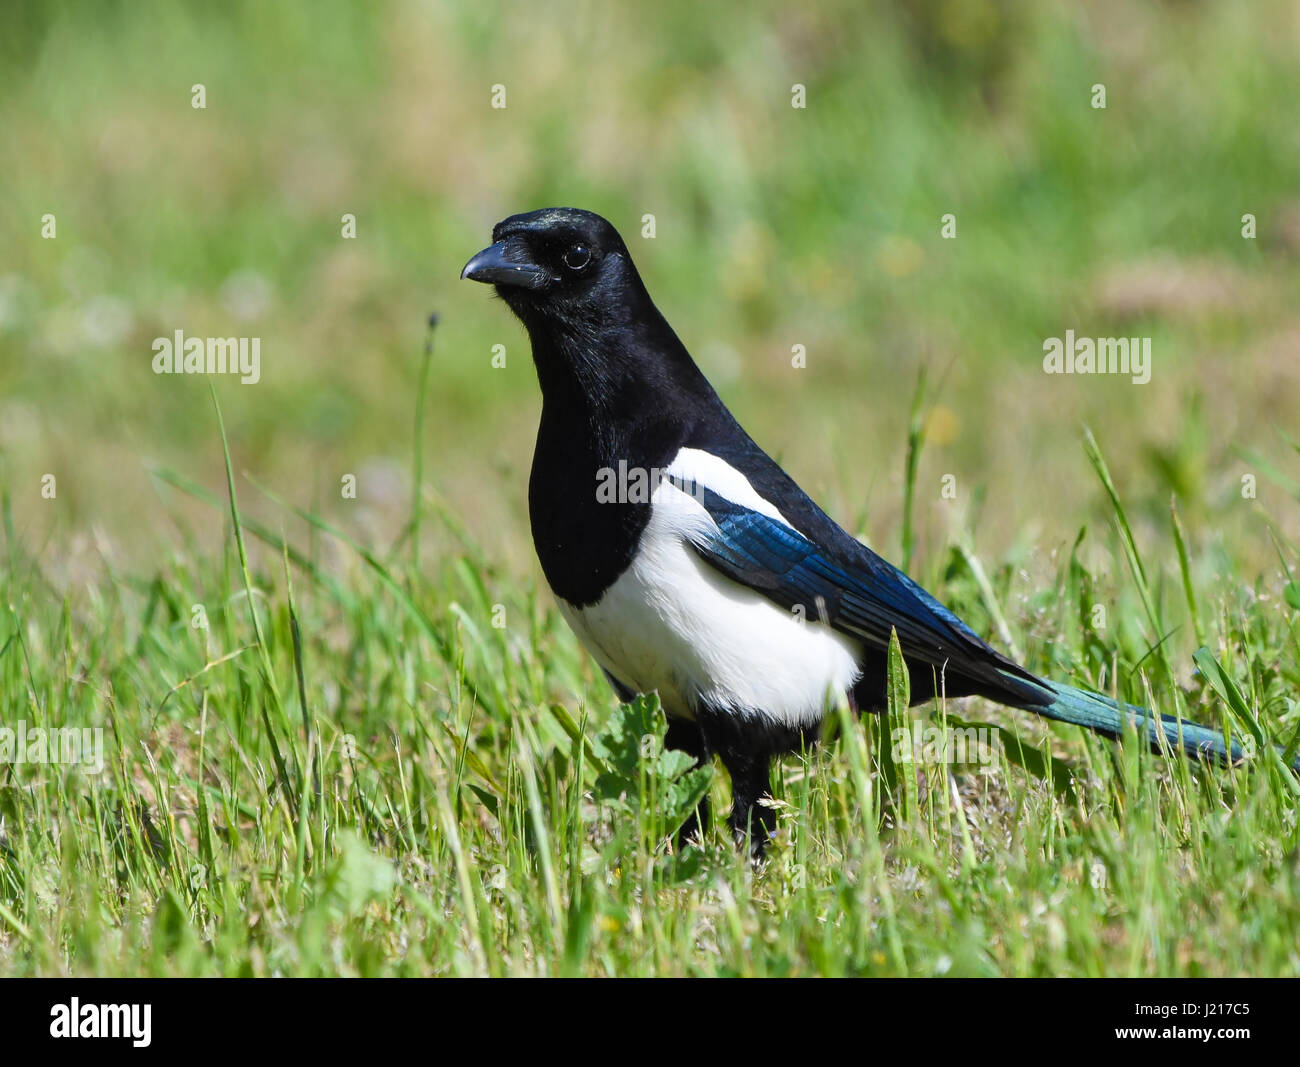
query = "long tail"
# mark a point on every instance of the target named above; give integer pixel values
(1164, 732)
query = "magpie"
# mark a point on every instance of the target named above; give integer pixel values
(688, 563)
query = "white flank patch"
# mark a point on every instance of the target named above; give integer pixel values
(713, 472)
(671, 623)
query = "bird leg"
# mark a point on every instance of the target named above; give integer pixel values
(751, 820)
(746, 743)
(686, 736)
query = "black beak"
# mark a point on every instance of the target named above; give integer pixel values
(492, 266)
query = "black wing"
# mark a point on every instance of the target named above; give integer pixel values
(862, 596)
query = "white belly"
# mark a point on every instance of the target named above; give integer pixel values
(673, 624)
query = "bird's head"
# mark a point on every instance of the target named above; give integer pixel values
(596, 335)
(558, 267)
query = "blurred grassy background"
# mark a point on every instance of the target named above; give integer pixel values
(775, 227)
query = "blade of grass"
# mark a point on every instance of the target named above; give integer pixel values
(915, 443)
(1185, 569)
(1093, 451)
(268, 671)
(417, 466)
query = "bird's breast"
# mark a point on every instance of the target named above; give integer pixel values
(582, 545)
(588, 503)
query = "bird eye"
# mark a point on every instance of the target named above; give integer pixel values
(577, 257)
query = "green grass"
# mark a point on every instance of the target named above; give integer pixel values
(368, 769)
(384, 753)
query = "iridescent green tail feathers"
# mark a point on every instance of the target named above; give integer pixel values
(1164, 732)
